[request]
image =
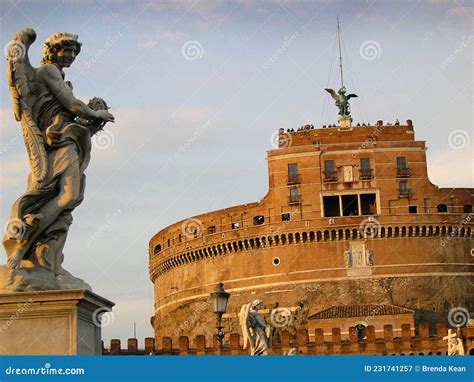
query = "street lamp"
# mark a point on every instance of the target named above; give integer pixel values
(219, 300)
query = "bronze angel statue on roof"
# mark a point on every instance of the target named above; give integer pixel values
(57, 129)
(342, 101)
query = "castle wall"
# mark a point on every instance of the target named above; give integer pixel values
(421, 260)
(392, 341)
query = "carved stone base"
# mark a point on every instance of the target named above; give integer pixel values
(345, 121)
(57, 322)
(35, 279)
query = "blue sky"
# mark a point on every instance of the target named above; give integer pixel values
(199, 87)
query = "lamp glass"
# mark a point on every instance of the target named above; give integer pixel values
(219, 299)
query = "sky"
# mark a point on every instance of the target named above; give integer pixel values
(198, 89)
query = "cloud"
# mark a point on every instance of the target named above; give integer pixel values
(442, 172)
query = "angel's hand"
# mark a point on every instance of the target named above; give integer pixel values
(104, 115)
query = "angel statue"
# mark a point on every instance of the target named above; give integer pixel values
(57, 130)
(342, 101)
(254, 328)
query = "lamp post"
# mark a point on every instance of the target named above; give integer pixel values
(219, 300)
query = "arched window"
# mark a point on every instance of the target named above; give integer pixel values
(297, 237)
(157, 249)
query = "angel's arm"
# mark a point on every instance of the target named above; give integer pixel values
(352, 96)
(63, 93)
(260, 321)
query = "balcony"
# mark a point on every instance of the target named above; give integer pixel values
(294, 179)
(294, 199)
(403, 172)
(405, 193)
(366, 174)
(330, 176)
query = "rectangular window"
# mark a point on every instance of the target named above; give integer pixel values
(329, 171)
(401, 163)
(295, 196)
(235, 225)
(350, 205)
(329, 166)
(258, 220)
(292, 170)
(365, 170)
(285, 217)
(412, 209)
(402, 169)
(403, 190)
(368, 204)
(211, 229)
(331, 206)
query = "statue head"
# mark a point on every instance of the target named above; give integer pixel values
(256, 304)
(61, 49)
(342, 90)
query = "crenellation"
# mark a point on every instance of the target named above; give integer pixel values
(388, 333)
(184, 345)
(132, 345)
(149, 345)
(167, 344)
(200, 345)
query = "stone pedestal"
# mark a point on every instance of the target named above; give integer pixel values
(56, 322)
(345, 121)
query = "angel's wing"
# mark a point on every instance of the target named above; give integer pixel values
(349, 96)
(244, 313)
(333, 93)
(21, 78)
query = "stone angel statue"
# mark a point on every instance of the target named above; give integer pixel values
(57, 130)
(254, 328)
(342, 100)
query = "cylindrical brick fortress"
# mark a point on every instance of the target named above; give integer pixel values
(350, 218)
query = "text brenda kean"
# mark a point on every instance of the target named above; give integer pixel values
(411, 368)
(44, 370)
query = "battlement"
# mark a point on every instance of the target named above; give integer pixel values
(333, 134)
(423, 343)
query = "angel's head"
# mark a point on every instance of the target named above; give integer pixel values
(256, 304)
(61, 49)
